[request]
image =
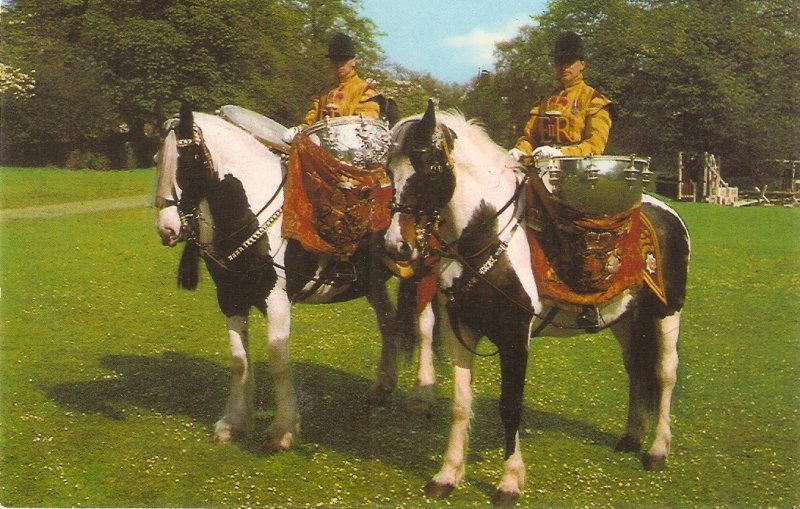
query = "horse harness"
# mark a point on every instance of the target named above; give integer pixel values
(190, 219)
(427, 222)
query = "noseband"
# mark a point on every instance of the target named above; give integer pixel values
(432, 163)
(193, 150)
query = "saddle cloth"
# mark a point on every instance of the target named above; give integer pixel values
(330, 206)
(585, 260)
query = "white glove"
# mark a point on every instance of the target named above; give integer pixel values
(289, 135)
(546, 152)
(516, 154)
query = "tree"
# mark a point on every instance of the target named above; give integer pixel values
(122, 66)
(487, 103)
(712, 75)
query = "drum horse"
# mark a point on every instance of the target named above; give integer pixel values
(458, 191)
(221, 188)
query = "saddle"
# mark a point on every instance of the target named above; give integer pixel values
(583, 259)
(331, 206)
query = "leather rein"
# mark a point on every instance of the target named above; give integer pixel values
(427, 222)
(190, 219)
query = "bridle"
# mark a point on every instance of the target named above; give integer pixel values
(193, 151)
(428, 240)
(433, 163)
(427, 219)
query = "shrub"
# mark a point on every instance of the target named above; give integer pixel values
(80, 159)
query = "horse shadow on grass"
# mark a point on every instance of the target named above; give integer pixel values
(332, 404)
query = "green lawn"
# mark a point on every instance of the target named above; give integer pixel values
(30, 187)
(112, 380)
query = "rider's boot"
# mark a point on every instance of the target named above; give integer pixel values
(589, 319)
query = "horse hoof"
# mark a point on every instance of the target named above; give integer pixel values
(504, 498)
(278, 444)
(437, 491)
(416, 406)
(223, 436)
(420, 401)
(379, 395)
(225, 432)
(654, 463)
(628, 444)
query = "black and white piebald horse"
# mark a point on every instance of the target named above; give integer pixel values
(451, 180)
(221, 190)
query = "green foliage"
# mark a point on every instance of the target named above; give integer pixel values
(696, 76)
(79, 160)
(411, 90)
(700, 76)
(123, 66)
(487, 102)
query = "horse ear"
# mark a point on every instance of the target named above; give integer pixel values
(392, 112)
(184, 130)
(427, 125)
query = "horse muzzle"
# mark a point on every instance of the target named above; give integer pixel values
(168, 225)
(402, 255)
(399, 268)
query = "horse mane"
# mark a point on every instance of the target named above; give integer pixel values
(479, 150)
(230, 145)
(238, 145)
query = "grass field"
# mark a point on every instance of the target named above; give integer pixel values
(112, 381)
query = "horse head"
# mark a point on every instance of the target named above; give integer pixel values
(422, 171)
(168, 221)
(184, 170)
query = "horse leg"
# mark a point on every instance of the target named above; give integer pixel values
(238, 418)
(422, 396)
(452, 471)
(280, 433)
(386, 372)
(513, 364)
(650, 354)
(668, 329)
(637, 420)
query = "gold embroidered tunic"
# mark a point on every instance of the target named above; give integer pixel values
(575, 119)
(350, 97)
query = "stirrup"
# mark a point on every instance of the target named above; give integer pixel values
(344, 272)
(589, 319)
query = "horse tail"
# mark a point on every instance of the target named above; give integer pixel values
(188, 268)
(644, 352)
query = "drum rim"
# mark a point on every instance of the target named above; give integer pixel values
(349, 120)
(628, 159)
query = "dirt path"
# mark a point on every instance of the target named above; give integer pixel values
(77, 207)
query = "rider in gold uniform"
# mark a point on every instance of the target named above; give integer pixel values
(574, 121)
(351, 96)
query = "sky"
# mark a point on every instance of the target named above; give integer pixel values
(452, 40)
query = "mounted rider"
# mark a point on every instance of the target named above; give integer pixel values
(573, 121)
(352, 96)
(337, 191)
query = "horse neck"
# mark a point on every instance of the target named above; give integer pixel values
(245, 189)
(247, 172)
(481, 186)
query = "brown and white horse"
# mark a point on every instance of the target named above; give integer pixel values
(453, 182)
(222, 191)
